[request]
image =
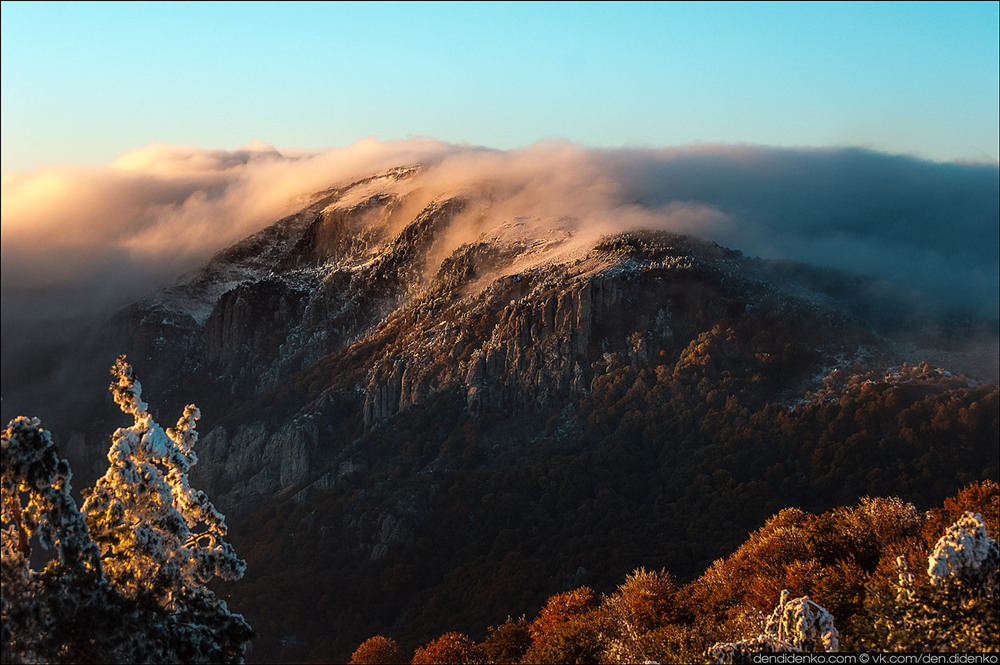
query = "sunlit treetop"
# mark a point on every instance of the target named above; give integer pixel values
(128, 582)
(161, 536)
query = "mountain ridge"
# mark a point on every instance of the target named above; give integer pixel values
(313, 294)
(431, 391)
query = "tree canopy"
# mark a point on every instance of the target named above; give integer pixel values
(128, 583)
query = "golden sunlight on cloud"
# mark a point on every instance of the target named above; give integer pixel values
(162, 210)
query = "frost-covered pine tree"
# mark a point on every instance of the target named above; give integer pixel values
(161, 540)
(803, 623)
(129, 583)
(796, 625)
(46, 614)
(965, 557)
(958, 610)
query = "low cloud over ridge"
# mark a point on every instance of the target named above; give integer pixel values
(112, 234)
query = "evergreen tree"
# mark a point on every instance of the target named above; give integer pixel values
(795, 626)
(958, 610)
(129, 582)
(48, 614)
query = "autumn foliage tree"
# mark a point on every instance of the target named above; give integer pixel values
(506, 644)
(802, 582)
(378, 650)
(642, 604)
(450, 649)
(566, 629)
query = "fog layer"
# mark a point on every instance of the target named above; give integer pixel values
(79, 243)
(102, 237)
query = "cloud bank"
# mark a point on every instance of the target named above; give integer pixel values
(102, 237)
(79, 243)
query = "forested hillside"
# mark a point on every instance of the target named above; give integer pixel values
(660, 477)
(426, 407)
(888, 576)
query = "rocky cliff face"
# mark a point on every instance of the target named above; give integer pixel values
(377, 297)
(359, 361)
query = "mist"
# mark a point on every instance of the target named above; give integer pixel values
(118, 232)
(78, 243)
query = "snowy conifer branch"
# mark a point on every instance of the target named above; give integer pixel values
(128, 585)
(796, 625)
(965, 555)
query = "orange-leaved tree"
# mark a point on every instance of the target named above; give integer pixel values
(378, 650)
(450, 649)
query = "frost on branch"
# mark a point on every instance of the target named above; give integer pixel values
(128, 582)
(958, 610)
(35, 495)
(160, 537)
(803, 623)
(904, 585)
(743, 651)
(33, 470)
(796, 625)
(965, 556)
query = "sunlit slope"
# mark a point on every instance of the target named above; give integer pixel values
(423, 408)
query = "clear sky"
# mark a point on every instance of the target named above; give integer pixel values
(85, 82)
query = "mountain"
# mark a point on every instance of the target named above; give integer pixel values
(424, 409)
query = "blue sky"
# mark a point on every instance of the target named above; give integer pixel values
(85, 82)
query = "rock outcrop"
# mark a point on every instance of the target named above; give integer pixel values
(377, 298)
